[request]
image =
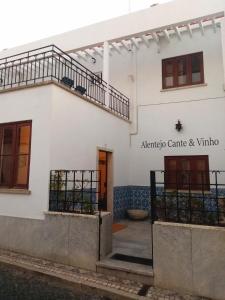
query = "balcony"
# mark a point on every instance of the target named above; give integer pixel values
(52, 64)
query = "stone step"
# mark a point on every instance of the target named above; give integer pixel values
(126, 270)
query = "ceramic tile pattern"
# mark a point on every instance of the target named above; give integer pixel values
(127, 197)
(138, 197)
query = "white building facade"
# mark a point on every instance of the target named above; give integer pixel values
(169, 60)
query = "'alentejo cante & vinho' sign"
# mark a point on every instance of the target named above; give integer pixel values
(194, 142)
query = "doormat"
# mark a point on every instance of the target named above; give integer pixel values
(117, 227)
(133, 259)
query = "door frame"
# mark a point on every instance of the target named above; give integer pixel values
(109, 195)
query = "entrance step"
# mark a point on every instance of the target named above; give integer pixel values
(126, 270)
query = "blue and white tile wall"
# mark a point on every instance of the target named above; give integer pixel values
(138, 197)
(121, 199)
(128, 197)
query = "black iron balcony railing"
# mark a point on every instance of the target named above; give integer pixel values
(51, 63)
(194, 197)
(118, 103)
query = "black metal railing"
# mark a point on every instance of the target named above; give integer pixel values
(118, 103)
(194, 197)
(75, 191)
(51, 63)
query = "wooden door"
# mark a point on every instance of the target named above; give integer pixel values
(187, 172)
(102, 166)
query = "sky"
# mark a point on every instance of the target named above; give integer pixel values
(24, 21)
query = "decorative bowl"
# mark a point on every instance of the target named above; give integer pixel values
(137, 214)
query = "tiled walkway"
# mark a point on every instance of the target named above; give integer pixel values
(134, 239)
(109, 286)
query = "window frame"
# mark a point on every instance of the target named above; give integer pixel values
(193, 161)
(15, 154)
(187, 58)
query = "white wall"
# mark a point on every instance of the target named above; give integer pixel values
(78, 128)
(145, 20)
(149, 68)
(144, 66)
(200, 119)
(139, 73)
(66, 131)
(30, 104)
(200, 109)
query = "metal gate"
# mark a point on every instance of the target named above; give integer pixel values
(201, 202)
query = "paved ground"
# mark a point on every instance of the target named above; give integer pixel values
(20, 284)
(134, 240)
(94, 284)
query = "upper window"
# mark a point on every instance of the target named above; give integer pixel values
(183, 70)
(187, 172)
(15, 140)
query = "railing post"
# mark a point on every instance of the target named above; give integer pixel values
(153, 195)
(177, 194)
(99, 213)
(189, 197)
(105, 73)
(217, 200)
(153, 214)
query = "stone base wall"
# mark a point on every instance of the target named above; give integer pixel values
(190, 258)
(66, 238)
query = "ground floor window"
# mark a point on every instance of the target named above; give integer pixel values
(187, 172)
(15, 141)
